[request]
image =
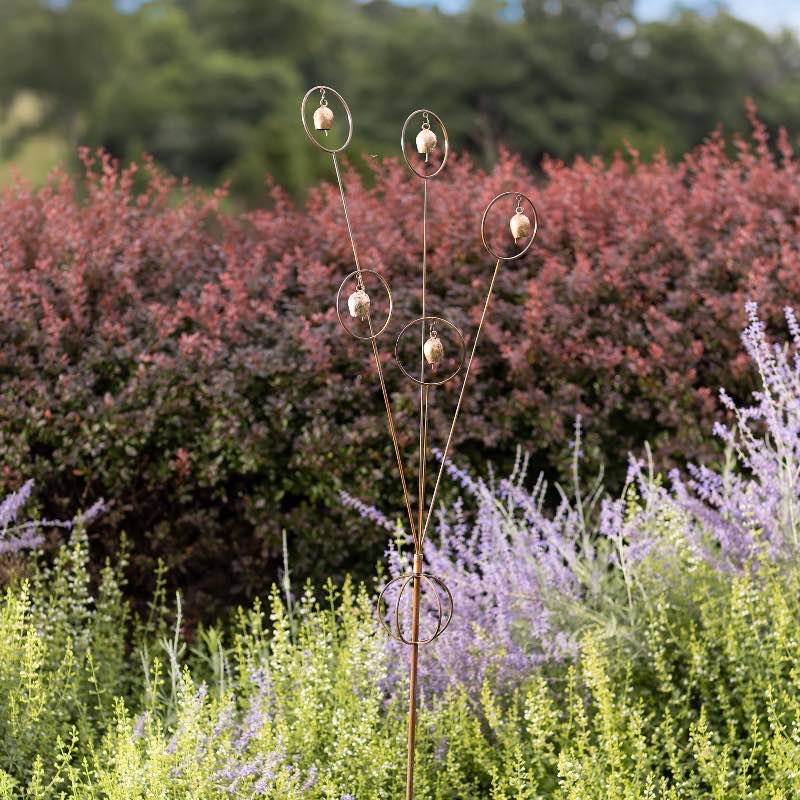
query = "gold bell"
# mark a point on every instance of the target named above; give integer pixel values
(426, 139)
(323, 119)
(359, 303)
(434, 351)
(520, 225)
(323, 116)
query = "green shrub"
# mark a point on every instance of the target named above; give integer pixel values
(63, 656)
(188, 366)
(294, 700)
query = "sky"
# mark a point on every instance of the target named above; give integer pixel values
(768, 14)
(772, 15)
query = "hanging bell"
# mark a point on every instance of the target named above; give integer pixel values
(434, 351)
(426, 141)
(359, 303)
(323, 118)
(520, 225)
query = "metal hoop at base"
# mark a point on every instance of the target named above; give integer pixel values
(442, 621)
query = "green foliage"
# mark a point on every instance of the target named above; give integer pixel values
(702, 701)
(211, 87)
(62, 658)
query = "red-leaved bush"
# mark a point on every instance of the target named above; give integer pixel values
(188, 366)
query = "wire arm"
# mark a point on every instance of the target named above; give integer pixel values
(378, 365)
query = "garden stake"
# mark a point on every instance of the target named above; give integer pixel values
(432, 355)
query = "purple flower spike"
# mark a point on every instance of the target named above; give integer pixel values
(526, 579)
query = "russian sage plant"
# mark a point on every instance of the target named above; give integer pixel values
(529, 580)
(642, 647)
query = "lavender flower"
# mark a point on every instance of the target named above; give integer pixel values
(12, 505)
(311, 779)
(138, 728)
(94, 511)
(525, 579)
(253, 725)
(25, 536)
(367, 512)
(27, 540)
(14, 538)
(750, 509)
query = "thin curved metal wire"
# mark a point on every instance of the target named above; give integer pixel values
(423, 390)
(443, 615)
(446, 450)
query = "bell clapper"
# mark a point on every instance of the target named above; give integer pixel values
(323, 116)
(520, 224)
(426, 138)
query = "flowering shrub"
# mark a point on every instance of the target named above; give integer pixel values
(529, 581)
(297, 709)
(640, 648)
(63, 656)
(188, 366)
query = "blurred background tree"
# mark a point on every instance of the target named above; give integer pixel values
(211, 87)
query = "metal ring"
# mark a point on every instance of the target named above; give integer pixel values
(388, 293)
(460, 340)
(533, 234)
(305, 123)
(438, 581)
(442, 621)
(398, 627)
(382, 602)
(403, 143)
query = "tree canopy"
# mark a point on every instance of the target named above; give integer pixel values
(211, 87)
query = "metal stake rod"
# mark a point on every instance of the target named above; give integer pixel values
(412, 678)
(431, 351)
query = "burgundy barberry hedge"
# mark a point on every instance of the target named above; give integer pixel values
(188, 366)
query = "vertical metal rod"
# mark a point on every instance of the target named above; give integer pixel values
(413, 677)
(418, 558)
(458, 404)
(422, 389)
(378, 364)
(423, 436)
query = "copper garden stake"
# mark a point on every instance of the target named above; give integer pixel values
(438, 339)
